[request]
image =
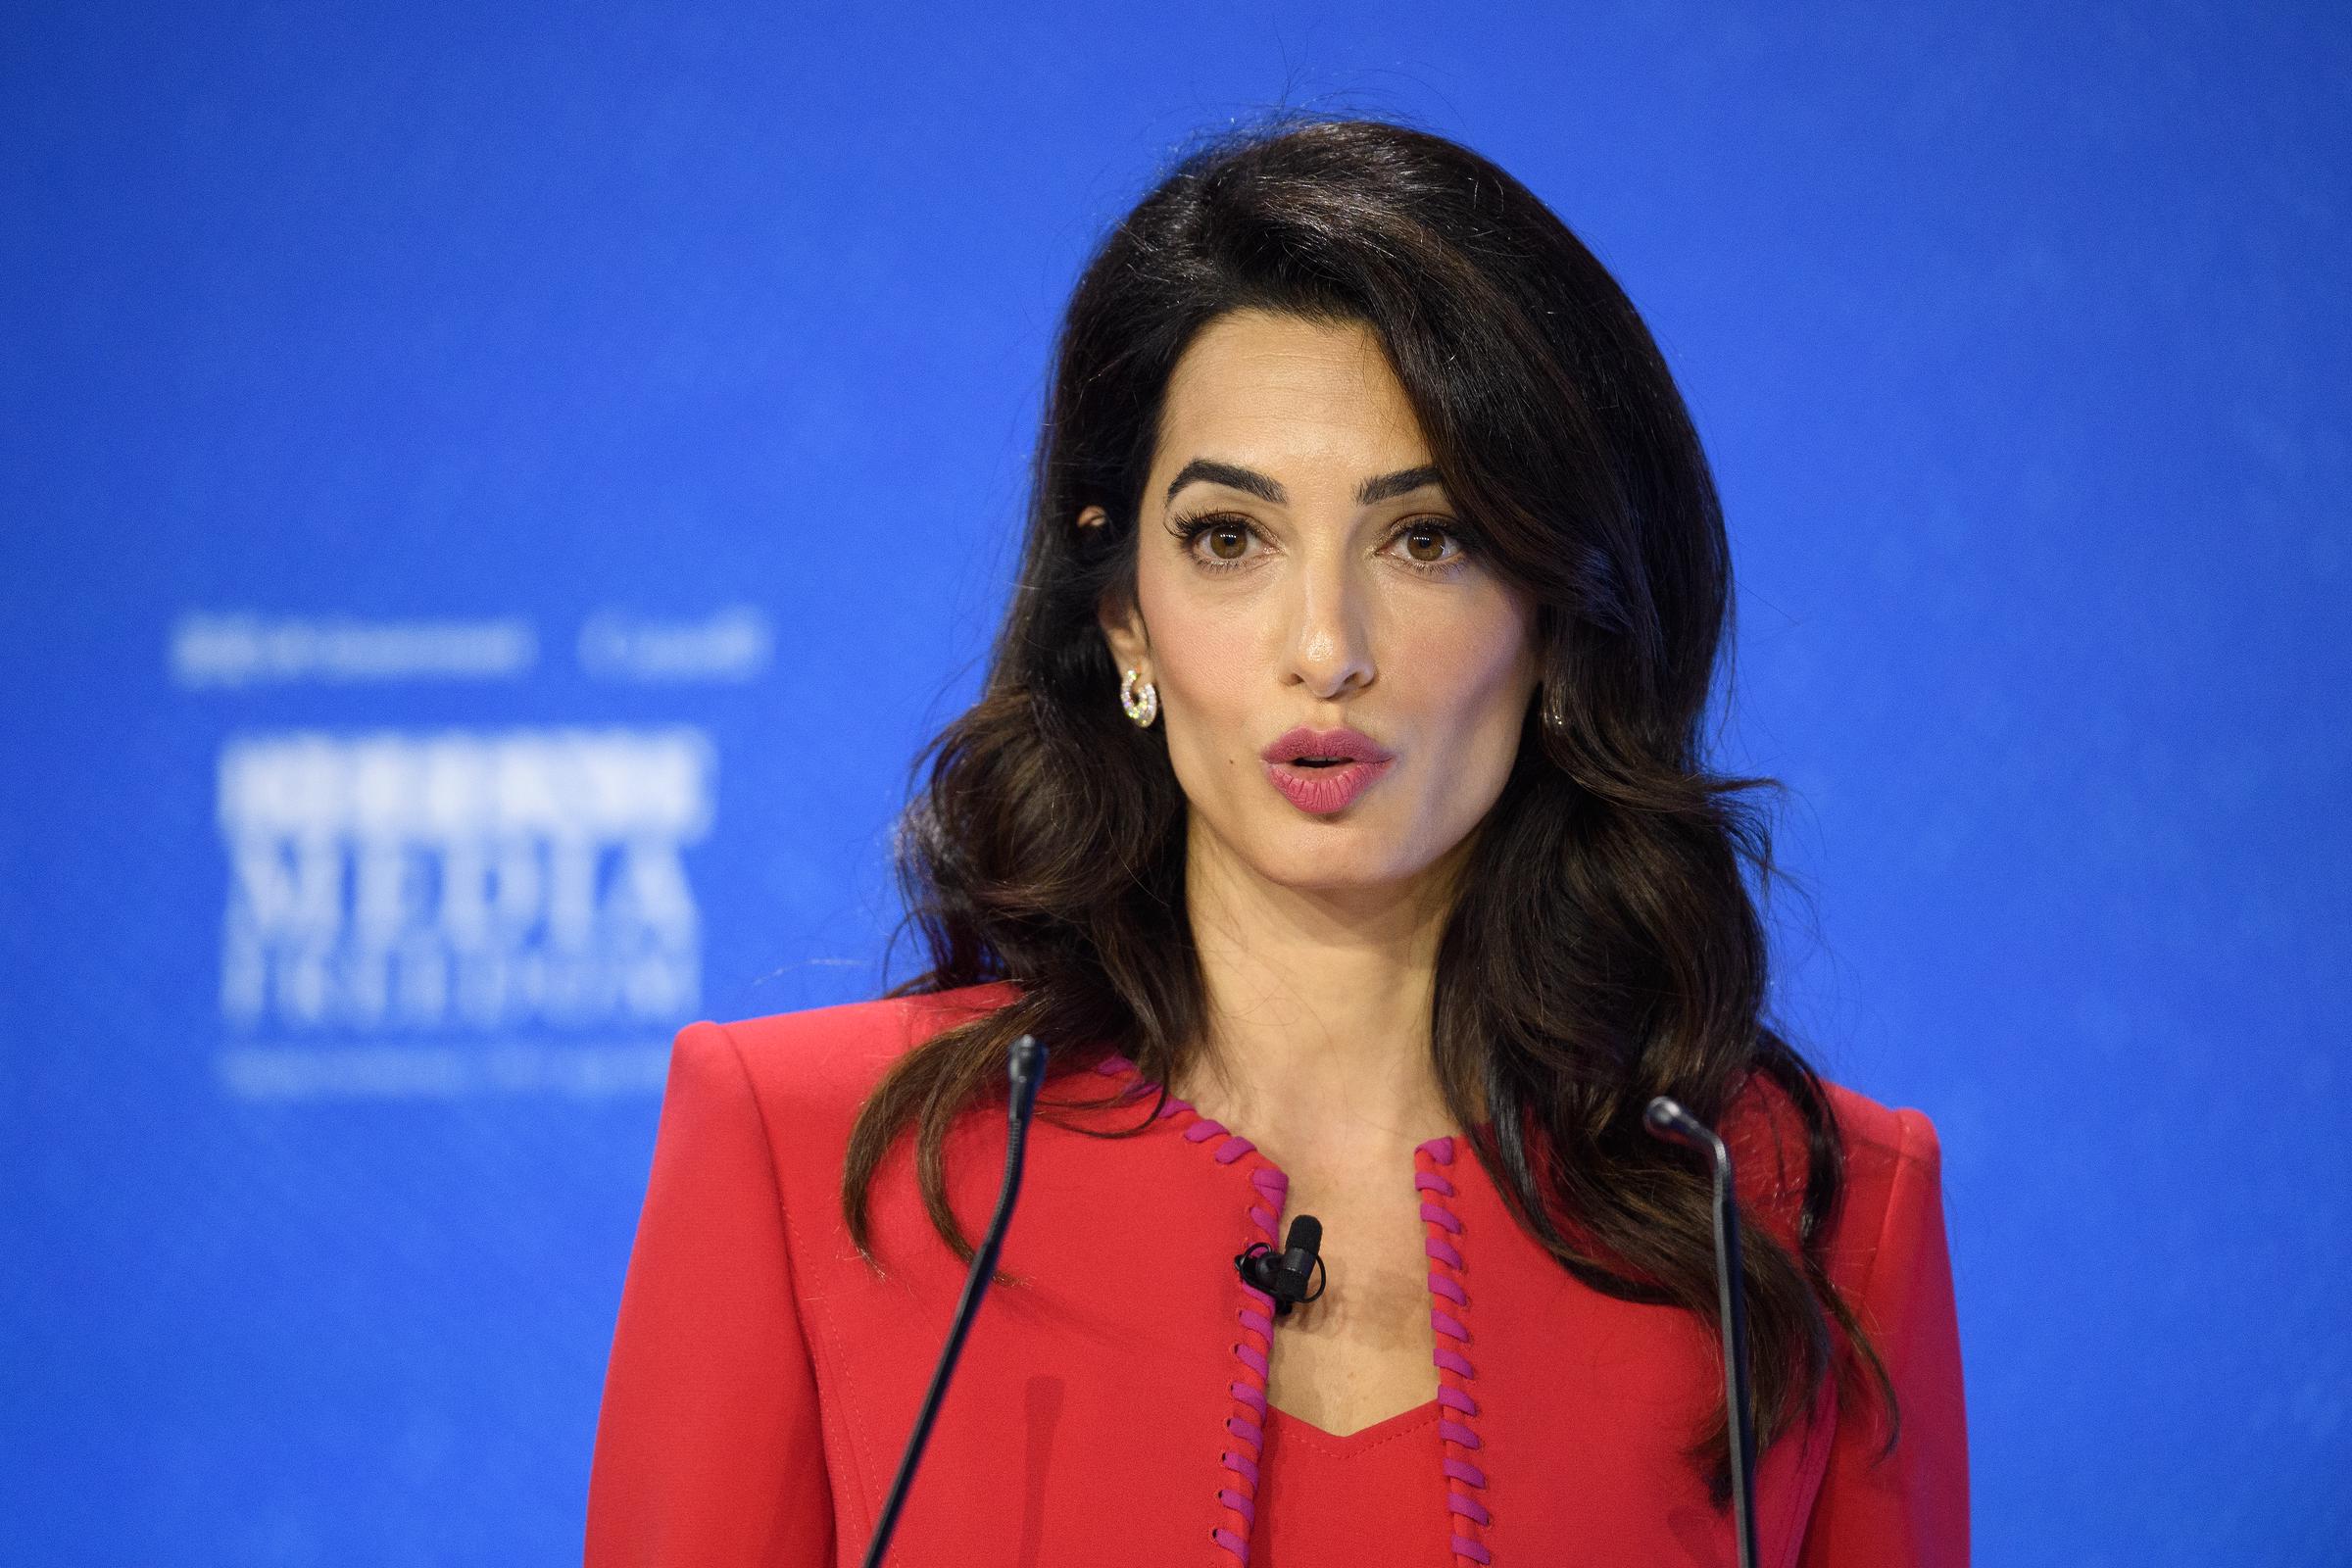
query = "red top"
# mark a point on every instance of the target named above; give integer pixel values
(1374, 1495)
(1110, 1407)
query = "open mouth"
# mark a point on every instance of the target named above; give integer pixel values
(1321, 770)
(1322, 785)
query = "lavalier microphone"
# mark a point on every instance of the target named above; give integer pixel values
(1285, 1277)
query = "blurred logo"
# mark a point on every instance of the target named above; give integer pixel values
(405, 883)
(735, 644)
(244, 650)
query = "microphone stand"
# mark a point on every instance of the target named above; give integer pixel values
(1026, 1065)
(1670, 1121)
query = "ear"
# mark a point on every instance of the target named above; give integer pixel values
(1121, 620)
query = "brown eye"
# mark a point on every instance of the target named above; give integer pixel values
(1428, 546)
(1228, 542)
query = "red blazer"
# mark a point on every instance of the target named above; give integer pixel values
(1109, 1410)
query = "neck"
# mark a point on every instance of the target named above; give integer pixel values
(1319, 1009)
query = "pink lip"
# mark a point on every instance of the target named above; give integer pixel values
(1321, 790)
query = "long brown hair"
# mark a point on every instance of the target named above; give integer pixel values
(1605, 946)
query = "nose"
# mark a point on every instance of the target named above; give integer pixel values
(1330, 646)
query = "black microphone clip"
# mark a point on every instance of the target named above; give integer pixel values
(1285, 1277)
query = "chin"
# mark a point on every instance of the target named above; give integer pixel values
(1329, 855)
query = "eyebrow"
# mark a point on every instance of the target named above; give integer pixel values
(1380, 487)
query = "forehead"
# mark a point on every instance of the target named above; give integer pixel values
(1254, 385)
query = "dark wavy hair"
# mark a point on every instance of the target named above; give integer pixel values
(1605, 946)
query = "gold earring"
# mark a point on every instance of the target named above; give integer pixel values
(1142, 706)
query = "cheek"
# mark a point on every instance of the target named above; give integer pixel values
(1470, 671)
(1203, 657)
(1199, 648)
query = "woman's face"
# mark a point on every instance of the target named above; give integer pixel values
(1296, 568)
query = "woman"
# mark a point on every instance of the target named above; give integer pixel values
(1335, 812)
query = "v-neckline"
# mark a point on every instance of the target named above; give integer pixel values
(1346, 1445)
(1452, 1414)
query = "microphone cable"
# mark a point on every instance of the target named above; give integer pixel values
(1668, 1121)
(1025, 1065)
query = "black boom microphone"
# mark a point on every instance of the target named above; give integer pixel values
(1670, 1121)
(1026, 1065)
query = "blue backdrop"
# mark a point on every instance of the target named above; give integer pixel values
(494, 497)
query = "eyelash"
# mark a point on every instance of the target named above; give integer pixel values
(1188, 529)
